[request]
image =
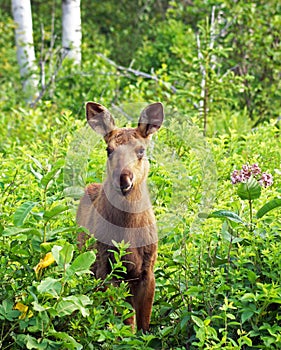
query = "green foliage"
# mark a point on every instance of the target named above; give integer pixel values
(218, 272)
(274, 203)
(249, 190)
(225, 214)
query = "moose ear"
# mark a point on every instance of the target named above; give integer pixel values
(99, 118)
(151, 119)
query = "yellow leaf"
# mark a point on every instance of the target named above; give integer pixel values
(24, 311)
(45, 262)
(48, 260)
(21, 307)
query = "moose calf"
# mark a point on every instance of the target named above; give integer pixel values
(120, 208)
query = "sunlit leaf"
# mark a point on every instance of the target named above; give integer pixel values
(50, 286)
(83, 262)
(197, 321)
(63, 255)
(72, 303)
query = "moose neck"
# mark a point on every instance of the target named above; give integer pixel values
(129, 219)
(137, 202)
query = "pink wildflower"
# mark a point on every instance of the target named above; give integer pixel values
(256, 169)
(266, 180)
(236, 177)
(247, 171)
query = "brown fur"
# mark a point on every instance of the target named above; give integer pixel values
(120, 209)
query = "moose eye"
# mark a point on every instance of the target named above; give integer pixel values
(140, 153)
(109, 151)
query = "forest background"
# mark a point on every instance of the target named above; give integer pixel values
(215, 65)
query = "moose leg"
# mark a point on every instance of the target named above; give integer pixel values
(143, 296)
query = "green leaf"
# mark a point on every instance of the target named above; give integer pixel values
(274, 203)
(72, 303)
(219, 261)
(33, 343)
(7, 310)
(52, 174)
(39, 307)
(83, 262)
(249, 190)
(22, 212)
(246, 315)
(41, 322)
(248, 297)
(58, 209)
(68, 341)
(42, 344)
(14, 231)
(246, 340)
(63, 255)
(66, 254)
(65, 307)
(50, 286)
(197, 321)
(166, 331)
(252, 277)
(222, 214)
(37, 162)
(56, 253)
(37, 175)
(228, 315)
(51, 235)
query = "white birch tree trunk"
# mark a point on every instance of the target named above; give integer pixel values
(21, 10)
(71, 30)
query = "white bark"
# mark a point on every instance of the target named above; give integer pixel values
(71, 29)
(25, 50)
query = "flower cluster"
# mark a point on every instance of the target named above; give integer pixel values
(247, 171)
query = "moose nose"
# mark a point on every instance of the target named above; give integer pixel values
(126, 181)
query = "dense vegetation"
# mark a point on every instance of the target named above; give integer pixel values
(216, 68)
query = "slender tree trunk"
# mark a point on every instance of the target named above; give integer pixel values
(25, 50)
(71, 29)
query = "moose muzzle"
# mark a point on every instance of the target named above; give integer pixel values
(126, 182)
(123, 181)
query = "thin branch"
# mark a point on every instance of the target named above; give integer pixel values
(121, 110)
(224, 31)
(137, 73)
(206, 63)
(52, 46)
(91, 74)
(48, 85)
(203, 72)
(42, 61)
(212, 37)
(212, 28)
(203, 103)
